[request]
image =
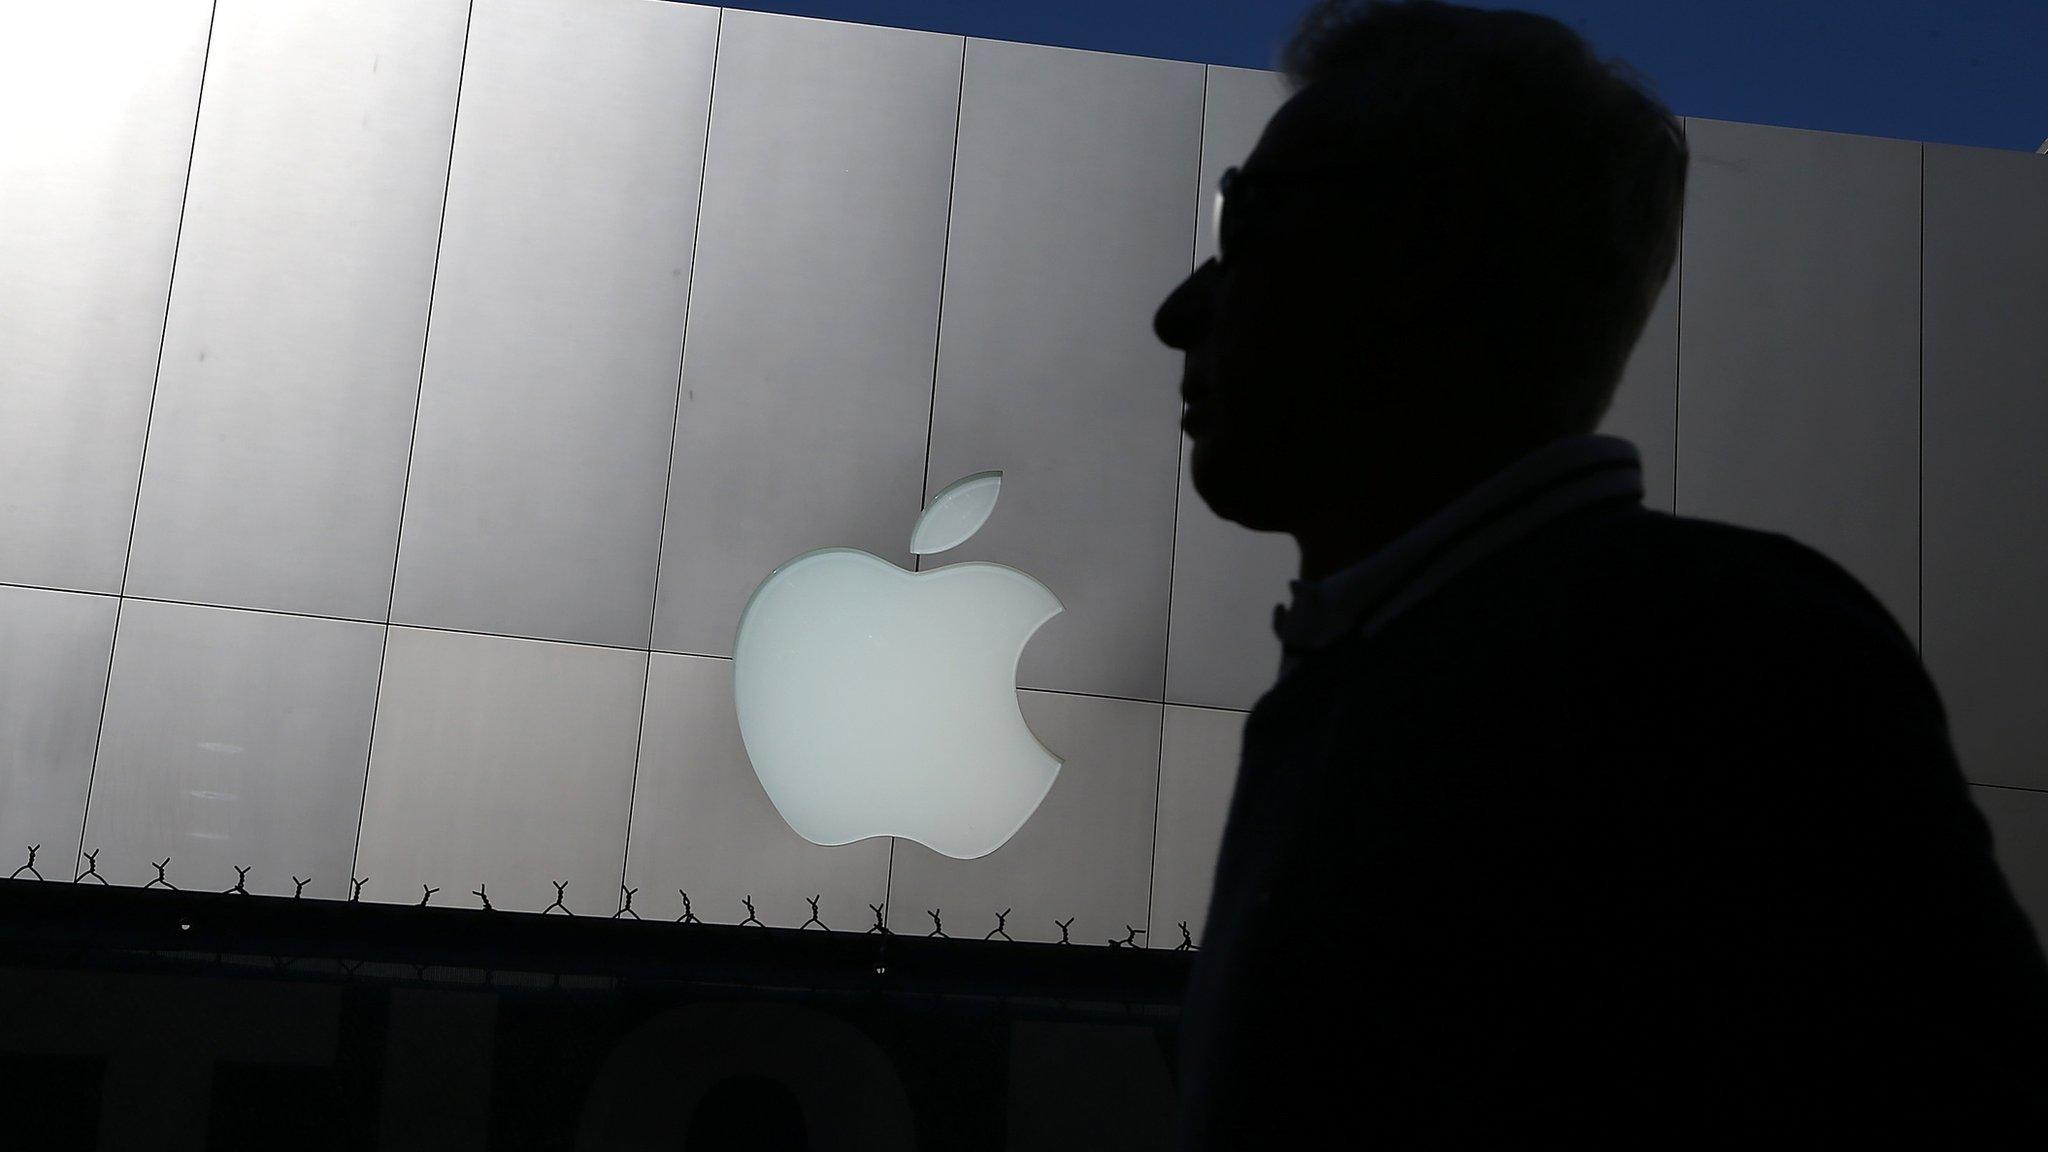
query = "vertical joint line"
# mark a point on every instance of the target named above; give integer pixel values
(1678, 327)
(931, 415)
(149, 417)
(888, 881)
(932, 410)
(675, 422)
(412, 444)
(1173, 540)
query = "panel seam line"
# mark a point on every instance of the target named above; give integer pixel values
(669, 474)
(1173, 541)
(141, 464)
(931, 416)
(412, 445)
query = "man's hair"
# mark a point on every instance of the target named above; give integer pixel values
(1535, 191)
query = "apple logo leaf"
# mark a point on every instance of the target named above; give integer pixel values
(956, 513)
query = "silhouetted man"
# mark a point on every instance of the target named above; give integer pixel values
(1567, 822)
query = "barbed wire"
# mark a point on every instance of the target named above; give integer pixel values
(162, 879)
(560, 901)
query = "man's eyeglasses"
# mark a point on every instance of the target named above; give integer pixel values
(1248, 194)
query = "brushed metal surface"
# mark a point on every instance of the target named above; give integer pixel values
(1985, 483)
(291, 362)
(54, 652)
(2019, 836)
(501, 762)
(1799, 367)
(97, 103)
(1086, 853)
(702, 823)
(233, 739)
(1071, 221)
(1220, 650)
(814, 310)
(1198, 761)
(541, 456)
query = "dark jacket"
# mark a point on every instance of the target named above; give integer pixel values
(1643, 831)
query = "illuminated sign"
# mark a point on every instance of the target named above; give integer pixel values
(875, 701)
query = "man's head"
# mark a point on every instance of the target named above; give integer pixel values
(1437, 258)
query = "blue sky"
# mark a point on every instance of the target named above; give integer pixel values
(1953, 71)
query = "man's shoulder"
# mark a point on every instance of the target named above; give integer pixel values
(1710, 548)
(1650, 586)
(1649, 590)
(1715, 571)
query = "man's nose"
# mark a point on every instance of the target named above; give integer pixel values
(1184, 318)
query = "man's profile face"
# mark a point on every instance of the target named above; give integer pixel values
(1276, 373)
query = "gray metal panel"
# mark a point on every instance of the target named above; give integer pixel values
(1198, 762)
(96, 107)
(234, 738)
(814, 310)
(549, 398)
(1086, 853)
(502, 762)
(1645, 407)
(54, 650)
(1986, 482)
(291, 359)
(1070, 224)
(2019, 836)
(1799, 384)
(1220, 648)
(703, 824)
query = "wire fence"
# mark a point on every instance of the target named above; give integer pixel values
(89, 873)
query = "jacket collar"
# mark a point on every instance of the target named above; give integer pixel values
(1560, 477)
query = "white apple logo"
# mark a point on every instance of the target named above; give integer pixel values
(879, 702)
